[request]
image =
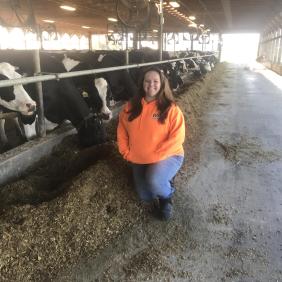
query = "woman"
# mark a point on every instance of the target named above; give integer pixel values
(150, 135)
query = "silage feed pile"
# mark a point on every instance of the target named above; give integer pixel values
(75, 202)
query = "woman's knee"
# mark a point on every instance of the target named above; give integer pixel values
(154, 180)
(158, 187)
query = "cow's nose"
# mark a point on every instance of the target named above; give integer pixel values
(106, 116)
(31, 107)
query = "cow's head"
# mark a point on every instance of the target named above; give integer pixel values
(104, 91)
(91, 131)
(14, 98)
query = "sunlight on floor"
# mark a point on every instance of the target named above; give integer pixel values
(242, 49)
(275, 78)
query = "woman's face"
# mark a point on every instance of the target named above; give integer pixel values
(151, 85)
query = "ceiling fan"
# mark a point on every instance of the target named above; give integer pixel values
(133, 14)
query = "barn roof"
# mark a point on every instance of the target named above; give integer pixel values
(217, 15)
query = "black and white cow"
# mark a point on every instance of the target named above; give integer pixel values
(146, 55)
(62, 101)
(94, 89)
(121, 83)
(121, 87)
(13, 98)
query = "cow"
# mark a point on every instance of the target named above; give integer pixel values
(62, 101)
(121, 83)
(94, 89)
(146, 55)
(13, 98)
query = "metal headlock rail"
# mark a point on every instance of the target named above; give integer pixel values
(57, 76)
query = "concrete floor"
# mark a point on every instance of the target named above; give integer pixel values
(228, 215)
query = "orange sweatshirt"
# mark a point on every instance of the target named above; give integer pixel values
(144, 140)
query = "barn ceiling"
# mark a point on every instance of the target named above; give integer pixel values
(217, 15)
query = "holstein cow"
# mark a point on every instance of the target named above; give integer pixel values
(94, 89)
(146, 55)
(62, 101)
(121, 83)
(13, 98)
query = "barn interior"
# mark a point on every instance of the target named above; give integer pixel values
(70, 214)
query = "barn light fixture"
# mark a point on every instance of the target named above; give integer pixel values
(85, 26)
(192, 18)
(155, 30)
(174, 4)
(112, 20)
(68, 8)
(193, 25)
(48, 21)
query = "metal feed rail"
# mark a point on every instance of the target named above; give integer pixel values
(57, 76)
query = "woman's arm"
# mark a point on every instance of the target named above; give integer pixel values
(176, 135)
(122, 134)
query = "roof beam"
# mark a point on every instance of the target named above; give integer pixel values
(210, 15)
(227, 12)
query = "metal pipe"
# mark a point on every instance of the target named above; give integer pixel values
(127, 57)
(90, 41)
(40, 108)
(174, 44)
(135, 39)
(126, 38)
(161, 31)
(57, 76)
(219, 46)
(280, 49)
(126, 48)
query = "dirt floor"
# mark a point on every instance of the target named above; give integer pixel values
(76, 217)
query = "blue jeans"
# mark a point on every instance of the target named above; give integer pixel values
(153, 181)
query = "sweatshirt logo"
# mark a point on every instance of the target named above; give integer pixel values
(156, 116)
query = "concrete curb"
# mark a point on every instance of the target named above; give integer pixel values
(15, 162)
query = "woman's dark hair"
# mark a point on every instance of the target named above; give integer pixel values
(164, 98)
